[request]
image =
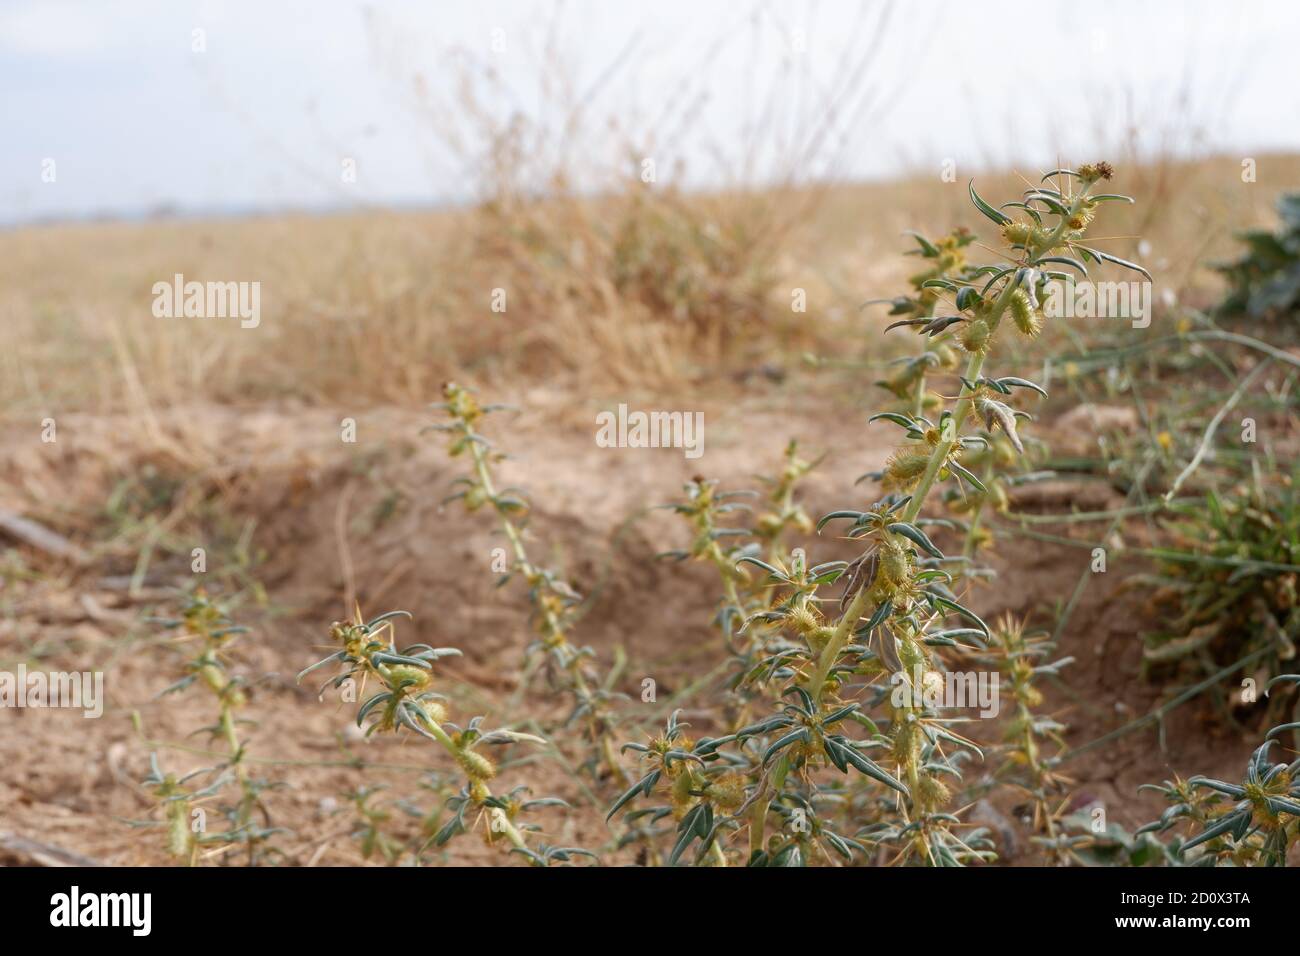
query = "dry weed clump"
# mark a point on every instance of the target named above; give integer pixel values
(642, 283)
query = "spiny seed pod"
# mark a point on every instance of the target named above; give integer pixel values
(1091, 172)
(975, 335)
(409, 674)
(768, 524)
(905, 468)
(434, 711)
(213, 677)
(820, 637)
(933, 792)
(1027, 320)
(911, 656)
(461, 403)
(1083, 218)
(475, 765)
(894, 566)
(475, 498)
(904, 741)
(1030, 695)
(728, 793)
(1017, 233)
(804, 620)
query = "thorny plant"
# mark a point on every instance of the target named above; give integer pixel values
(783, 512)
(945, 257)
(397, 839)
(372, 831)
(1265, 280)
(746, 599)
(890, 621)
(707, 510)
(205, 626)
(1221, 613)
(554, 602)
(181, 808)
(1257, 822)
(950, 272)
(1032, 742)
(406, 700)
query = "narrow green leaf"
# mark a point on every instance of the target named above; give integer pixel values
(985, 208)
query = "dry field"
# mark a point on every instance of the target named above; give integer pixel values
(181, 433)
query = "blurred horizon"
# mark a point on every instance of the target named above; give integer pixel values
(266, 108)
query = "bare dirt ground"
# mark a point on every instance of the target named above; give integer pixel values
(336, 522)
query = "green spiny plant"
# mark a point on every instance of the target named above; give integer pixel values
(1020, 658)
(372, 826)
(554, 601)
(952, 274)
(1265, 282)
(204, 624)
(783, 512)
(406, 700)
(1256, 823)
(891, 616)
(706, 507)
(1220, 612)
(746, 599)
(945, 257)
(181, 808)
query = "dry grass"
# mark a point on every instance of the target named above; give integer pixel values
(645, 288)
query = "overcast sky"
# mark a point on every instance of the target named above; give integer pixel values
(122, 107)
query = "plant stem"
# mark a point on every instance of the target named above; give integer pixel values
(437, 733)
(947, 441)
(553, 630)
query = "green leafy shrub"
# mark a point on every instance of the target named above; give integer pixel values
(1248, 823)
(1265, 282)
(1227, 587)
